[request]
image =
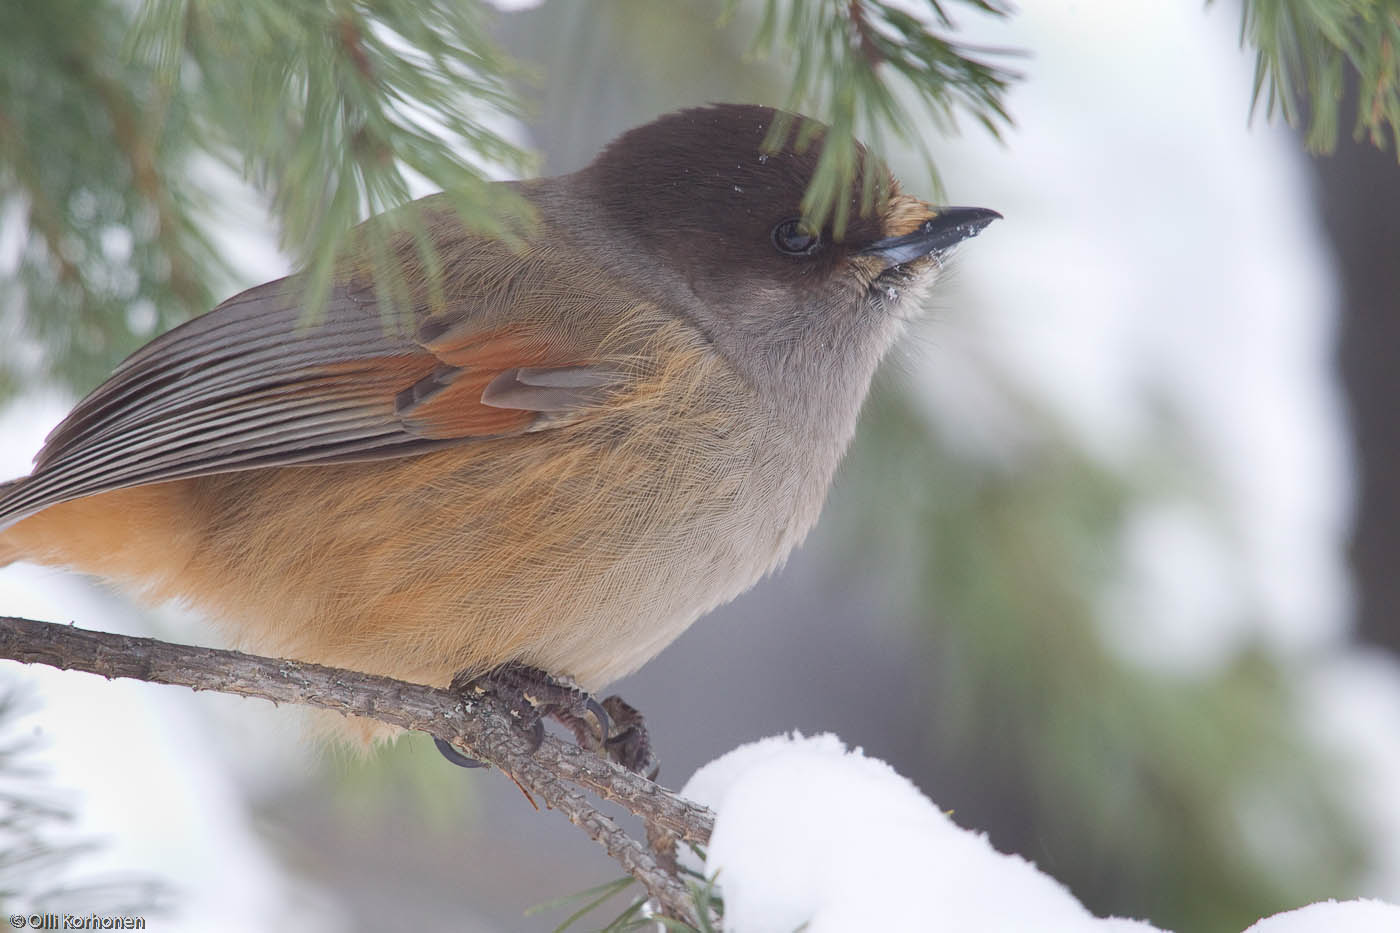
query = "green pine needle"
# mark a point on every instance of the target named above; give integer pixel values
(338, 111)
(1308, 52)
(851, 61)
(333, 108)
(592, 899)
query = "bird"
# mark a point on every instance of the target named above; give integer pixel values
(546, 466)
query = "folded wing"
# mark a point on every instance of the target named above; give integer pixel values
(250, 385)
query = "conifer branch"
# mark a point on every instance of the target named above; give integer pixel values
(1309, 51)
(482, 727)
(332, 108)
(853, 64)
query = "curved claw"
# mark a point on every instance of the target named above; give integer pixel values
(536, 734)
(600, 714)
(631, 746)
(449, 751)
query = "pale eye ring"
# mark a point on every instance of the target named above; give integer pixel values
(792, 238)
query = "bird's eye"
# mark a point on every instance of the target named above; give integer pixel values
(793, 238)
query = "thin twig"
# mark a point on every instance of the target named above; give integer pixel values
(855, 11)
(481, 726)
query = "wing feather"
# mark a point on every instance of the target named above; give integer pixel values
(250, 385)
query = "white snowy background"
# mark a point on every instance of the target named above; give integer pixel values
(1154, 245)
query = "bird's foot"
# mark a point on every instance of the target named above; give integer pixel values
(628, 744)
(531, 695)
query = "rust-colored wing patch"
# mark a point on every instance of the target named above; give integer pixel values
(447, 403)
(247, 386)
(451, 400)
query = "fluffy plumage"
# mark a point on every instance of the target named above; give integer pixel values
(595, 439)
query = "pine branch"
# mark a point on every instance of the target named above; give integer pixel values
(136, 145)
(852, 58)
(39, 870)
(1308, 50)
(332, 108)
(482, 727)
(102, 181)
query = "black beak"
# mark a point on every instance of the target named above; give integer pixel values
(948, 227)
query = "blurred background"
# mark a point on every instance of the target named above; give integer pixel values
(1108, 572)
